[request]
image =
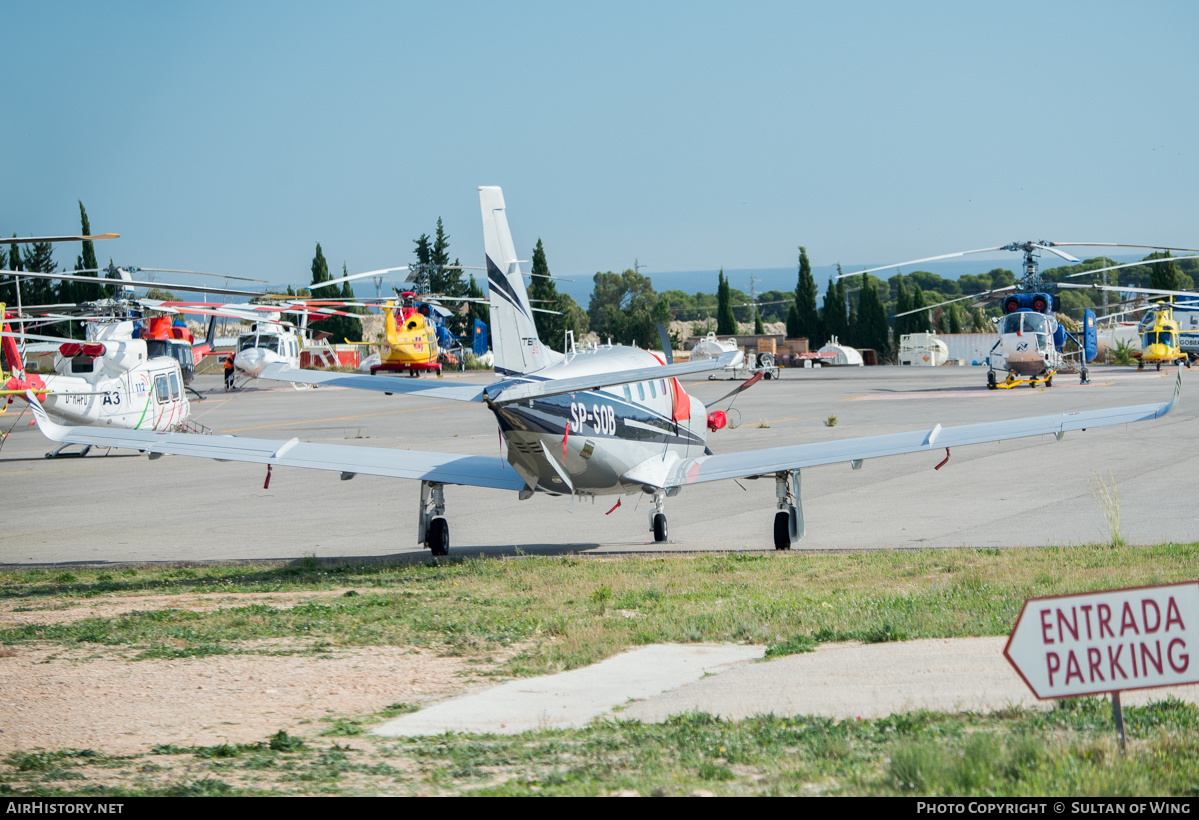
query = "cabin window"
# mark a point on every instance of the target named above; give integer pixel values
(175, 386)
(653, 390)
(162, 390)
(83, 364)
(628, 393)
(641, 391)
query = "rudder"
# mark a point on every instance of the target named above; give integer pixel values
(514, 337)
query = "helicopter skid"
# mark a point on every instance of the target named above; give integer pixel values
(412, 368)
(1012, 380)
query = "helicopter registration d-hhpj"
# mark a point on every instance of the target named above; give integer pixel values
(601, 422)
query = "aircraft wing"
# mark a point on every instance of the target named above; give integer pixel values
(382, 384)
(444, 468)
(556, 387)
(794, 457)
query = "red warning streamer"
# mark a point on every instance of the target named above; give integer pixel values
(944, 461)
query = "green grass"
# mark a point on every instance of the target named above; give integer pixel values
(569, 612)
(1069, 749)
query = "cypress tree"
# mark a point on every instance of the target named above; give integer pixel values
(872, 319)
(86, 261)
(759, 328)
(726, 322)
(920, 322)
(833, 313)
(955, 321)
(1165, 275)
(549, 326)
(902, 305)
(320, 268)
(805, 303)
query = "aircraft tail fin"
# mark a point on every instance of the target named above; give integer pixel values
(514, 337)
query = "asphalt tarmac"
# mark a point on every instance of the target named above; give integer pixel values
(122, 507)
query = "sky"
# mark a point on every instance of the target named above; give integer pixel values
(232, 137)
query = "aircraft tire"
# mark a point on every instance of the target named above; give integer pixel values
(661, 532)
(782, 530)
(1159, 365)
(991, 380)
(439, 536)
(1049, 382)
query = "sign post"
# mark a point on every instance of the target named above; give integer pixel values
(1107, 642)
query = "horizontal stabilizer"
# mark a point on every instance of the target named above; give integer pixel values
(381, 384)
(556, 387)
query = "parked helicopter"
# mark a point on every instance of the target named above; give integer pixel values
(601, 421)
(1032, 343)
(1160, 340)
(113, 379)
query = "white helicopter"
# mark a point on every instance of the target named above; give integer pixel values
(1032, 342)
(110, 380)
(606, 421)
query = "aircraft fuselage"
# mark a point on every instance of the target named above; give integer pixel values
(589, 441)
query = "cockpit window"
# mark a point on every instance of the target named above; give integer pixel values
(1010, 323)
(1035, 323)
(252, 340)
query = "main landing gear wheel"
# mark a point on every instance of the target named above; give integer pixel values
(991, 385)
(439, 537)
(782, 530)
(1049, 382)
(660, 531)
(1159, 365)
(1085, 376)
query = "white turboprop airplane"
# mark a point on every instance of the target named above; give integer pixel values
(605, 421)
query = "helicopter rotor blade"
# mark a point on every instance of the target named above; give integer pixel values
(1132, 265)
(354, 276)
(916, 262)
(199, 273)
(1124, 245)
(1062, 254)
(31, 239)
(123, 282)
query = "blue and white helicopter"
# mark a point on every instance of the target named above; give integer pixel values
(1032, 345)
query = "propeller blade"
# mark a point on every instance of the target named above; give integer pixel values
(743, 386)
(664, 338)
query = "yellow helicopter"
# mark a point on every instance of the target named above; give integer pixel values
(1160, 341)
(417, 338)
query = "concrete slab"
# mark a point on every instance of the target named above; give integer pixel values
(572, 699)
(847, 681)
(840, 681)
